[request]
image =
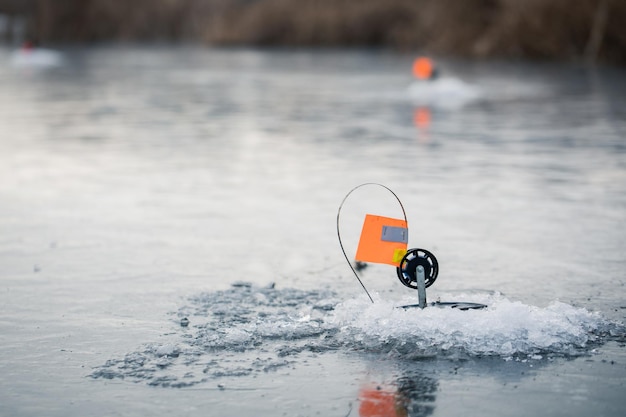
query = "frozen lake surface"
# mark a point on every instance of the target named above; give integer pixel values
(143, 186)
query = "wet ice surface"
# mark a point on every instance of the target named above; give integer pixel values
(236, 332)
(247, 330)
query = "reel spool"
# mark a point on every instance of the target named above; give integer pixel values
(409, 263)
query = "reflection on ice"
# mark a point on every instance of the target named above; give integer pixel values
(408, 395)
(246, 330)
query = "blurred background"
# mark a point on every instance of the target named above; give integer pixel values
(156, 151)
(557, 29)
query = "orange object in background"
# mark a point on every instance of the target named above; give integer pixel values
(383, 240)
(423, 68)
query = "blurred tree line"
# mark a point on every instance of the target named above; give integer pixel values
(553, 29)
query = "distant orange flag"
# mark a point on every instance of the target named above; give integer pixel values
(423, 68)
(383, 240)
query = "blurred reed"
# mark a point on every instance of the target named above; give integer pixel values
(551, 29)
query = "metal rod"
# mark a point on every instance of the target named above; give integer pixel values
(421, 285)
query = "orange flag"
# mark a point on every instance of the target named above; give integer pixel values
(383, 240)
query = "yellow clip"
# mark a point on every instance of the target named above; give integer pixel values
(398, 254)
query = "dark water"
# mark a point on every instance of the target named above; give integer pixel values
(141, 186)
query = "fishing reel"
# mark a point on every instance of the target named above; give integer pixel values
(407, 271)
(419, 268)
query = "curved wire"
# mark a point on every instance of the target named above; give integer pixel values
(339, 233)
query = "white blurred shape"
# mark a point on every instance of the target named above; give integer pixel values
(36, 58)
(448, 92)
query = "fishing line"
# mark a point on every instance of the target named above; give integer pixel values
(339, 233)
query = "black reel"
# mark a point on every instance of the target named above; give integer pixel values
(411, 260)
